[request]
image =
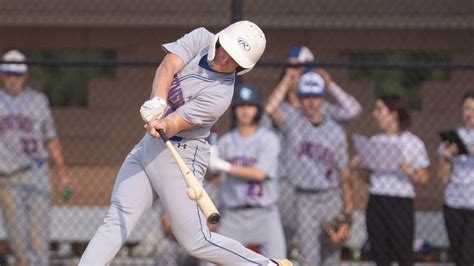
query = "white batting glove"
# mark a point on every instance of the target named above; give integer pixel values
(218, 165)
(152, 109)
(214, 151)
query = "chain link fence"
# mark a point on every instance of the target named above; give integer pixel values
(95, 62)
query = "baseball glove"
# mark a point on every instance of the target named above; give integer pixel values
(338, 228)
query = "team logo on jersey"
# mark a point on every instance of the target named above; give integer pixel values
(244, 44)
(175, 94)
(245, 93)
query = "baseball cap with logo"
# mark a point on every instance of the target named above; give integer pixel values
(301, 54)
(311, 84)
(14, 56)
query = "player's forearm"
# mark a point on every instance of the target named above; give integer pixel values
(348, 106)
(164, 75)
(419, 176)
(277, 96)
(55, 151)
(444, 170)
(248, 173)
(162, 82)
(347, 191)
(174, 124)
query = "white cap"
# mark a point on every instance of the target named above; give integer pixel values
(311, 84)
(14, 56)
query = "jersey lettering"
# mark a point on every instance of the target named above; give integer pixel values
(254, 188)
(175, 94)
(11, 122)
(29, 145)
(316, 151)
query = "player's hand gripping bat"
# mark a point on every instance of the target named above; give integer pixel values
(195, 190)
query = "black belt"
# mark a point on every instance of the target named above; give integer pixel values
(312, 190)
(244, 207)
(17, 171)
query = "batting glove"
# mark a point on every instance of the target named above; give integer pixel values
(217, 164)
(153, 109)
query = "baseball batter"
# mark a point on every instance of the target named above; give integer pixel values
(250, 189)
(196, 78)
(27, 135)
(319, 168)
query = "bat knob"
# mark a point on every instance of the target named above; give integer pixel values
(214, 218)
(194, 193)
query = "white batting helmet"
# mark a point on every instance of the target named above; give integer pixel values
(244, 41)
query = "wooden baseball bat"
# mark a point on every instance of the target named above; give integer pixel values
(195, 190)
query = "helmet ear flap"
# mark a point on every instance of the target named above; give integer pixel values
(211, 53)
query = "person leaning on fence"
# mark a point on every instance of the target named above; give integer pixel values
(317, 149)
(457, 172)
(390, 210)
(28, 139)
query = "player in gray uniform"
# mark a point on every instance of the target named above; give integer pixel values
(319, 168)
(345, 108)
(27, 134)
(249, 191)
(196, 78)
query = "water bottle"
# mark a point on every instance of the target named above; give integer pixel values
(213, 139)
(67, 192)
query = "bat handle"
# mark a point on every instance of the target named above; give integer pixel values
(214, 218)
(163, 135)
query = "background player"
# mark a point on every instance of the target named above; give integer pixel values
(249, 191)
(319, 168)
(345, 108)
(196, 78)
(26, 122)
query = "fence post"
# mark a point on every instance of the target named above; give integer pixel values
(237, 10)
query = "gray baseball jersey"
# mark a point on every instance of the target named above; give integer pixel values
(25, 124)
(319, 152)
(200, 96)
(260, 151)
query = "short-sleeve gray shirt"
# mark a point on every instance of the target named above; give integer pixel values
(198, 94)
(260, 151)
